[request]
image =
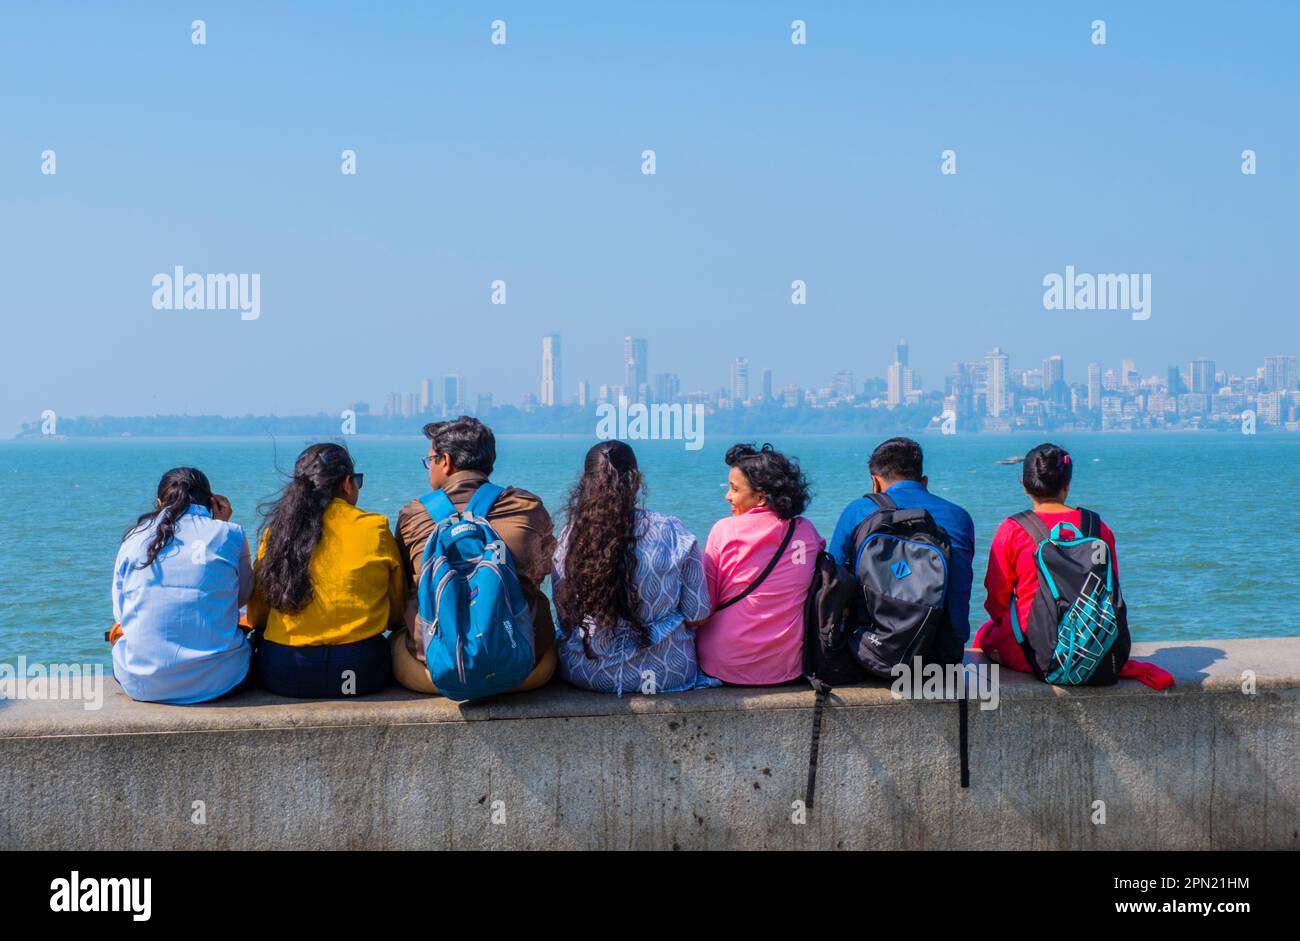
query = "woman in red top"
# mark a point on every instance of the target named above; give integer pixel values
(1012, 569)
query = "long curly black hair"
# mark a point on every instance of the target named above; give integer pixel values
(177, 490)
(292, 526)
(600, 546)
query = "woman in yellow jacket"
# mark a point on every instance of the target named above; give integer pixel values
(329, 582)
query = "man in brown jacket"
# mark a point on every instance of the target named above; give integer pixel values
(461, 456)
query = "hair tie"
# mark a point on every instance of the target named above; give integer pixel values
(1065, 460)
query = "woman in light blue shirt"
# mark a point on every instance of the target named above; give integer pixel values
(181, 576)
(629, 585)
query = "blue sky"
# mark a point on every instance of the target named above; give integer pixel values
(522, 162)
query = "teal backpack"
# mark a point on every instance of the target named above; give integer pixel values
(473, 623)
(1077, 631)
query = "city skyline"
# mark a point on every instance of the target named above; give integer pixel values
(988, 388)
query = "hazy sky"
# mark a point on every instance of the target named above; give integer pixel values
(522, 162)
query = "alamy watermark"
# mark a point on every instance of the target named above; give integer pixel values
(82, 682)
(1131, 292)
(978, 681)
(181, 291)
(77, 894)
(658, 421)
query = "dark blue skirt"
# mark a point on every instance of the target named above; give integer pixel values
(325, 671)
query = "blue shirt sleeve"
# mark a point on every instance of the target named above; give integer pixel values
(841, 545)
(959, 610)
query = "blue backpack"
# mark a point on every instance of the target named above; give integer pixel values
(473, 622)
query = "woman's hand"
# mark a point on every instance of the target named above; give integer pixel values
(221, 508)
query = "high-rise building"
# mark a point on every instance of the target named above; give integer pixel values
(1128, 375)
(483, 411)
(1269, 406)
(667, 387)
(584, 393)
(1174, 382)
(898, 378)
(740, 379)
(453, 393)
(1200, 373)
(842, 383)
(426, 396)
(635, 350)
(1053, 378)
(1279, 373)
(898, 383)
(409, 403)
(961, 386)
(767, 386)
(996, 366)
(551, 381)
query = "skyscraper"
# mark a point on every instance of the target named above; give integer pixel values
(1094, 386)
(1174, 382)
(842, 383)
(1054, 387)
(1279, 373)
(453, 393)
(898, 378)
(551, 382)
(1200, 372)
(667, 387)
(996, 379)
(584, 393)
(635, 352)
(740, 379)
(1128, 375)
(767, 386)
(426, 396)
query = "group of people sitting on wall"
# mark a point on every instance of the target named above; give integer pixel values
(634, 593)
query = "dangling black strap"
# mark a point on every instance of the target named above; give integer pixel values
(823, 693)
(962, 743)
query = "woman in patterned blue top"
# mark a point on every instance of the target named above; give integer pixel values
(628, 584)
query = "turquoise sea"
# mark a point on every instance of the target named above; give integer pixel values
(1205, 522)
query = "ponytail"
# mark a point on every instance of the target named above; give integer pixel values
(178, 490)
(293, 523)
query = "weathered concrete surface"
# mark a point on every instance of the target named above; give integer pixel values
(1200, 766)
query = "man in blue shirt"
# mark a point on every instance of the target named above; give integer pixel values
(896, 469)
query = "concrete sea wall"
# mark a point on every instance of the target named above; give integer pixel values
(1204, 765)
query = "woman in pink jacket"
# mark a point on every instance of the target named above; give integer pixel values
(758, 564)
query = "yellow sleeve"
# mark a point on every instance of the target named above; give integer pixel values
(396, 578)
(257, 607)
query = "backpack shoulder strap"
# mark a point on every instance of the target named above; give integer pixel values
(438, 505)
(1028, 521)
(1090, 523)
(882, 501)
(484, 498)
